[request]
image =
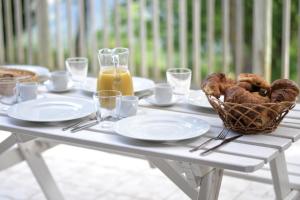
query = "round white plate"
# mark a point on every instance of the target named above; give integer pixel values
(39, 70)
(161, 127)
(153, 101)
(198, 99)
(139, 84)
(52, 109)
(50, 87)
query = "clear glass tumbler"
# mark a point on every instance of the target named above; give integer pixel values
(78, 69)
(180, 80)
(8, 91)
(107, 104)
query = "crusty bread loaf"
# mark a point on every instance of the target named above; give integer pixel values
(254, 79)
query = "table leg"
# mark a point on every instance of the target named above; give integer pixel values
(280, 177)
(210, 185)
(40, 171)
(6, 144)
(175, 177)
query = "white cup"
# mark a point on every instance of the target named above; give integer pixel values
(163, 93)
(27, 91)
(60, 80)
(129, 106)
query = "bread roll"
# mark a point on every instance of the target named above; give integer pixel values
(254, 79)
(284, 90)
(216, 84)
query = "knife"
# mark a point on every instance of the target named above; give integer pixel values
(144, 93)
(93, 123)
(221, 144)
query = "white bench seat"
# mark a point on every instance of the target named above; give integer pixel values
(264, 175)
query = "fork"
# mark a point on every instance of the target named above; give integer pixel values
(78, 123)
(222, 135)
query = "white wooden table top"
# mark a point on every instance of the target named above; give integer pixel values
(246, 154)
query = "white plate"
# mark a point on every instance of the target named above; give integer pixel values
(39, 70)
(50, 87)
(52, 109)
(153, 101)
(139, 84)
(199, 99)
(161, 127)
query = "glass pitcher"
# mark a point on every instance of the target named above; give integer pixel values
(114, 73)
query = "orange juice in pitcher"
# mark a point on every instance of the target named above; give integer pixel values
(114, 73)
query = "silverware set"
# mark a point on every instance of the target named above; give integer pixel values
(88, 122)
(221, 136)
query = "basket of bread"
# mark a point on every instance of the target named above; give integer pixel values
(250, 105)
(18, 73)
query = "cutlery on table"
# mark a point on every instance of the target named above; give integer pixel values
(78, 123)
(90, 124)
(93, 123)
(143, 94)
(221, 144)
(222, 135)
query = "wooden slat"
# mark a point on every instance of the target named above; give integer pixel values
(82, 42)
(210, 35)
(28, 23)
(170, 34)
(9, 31)
(143, 37)
(45, 57)
(117, 23)
(2, 51)
(105, 24)
(156, 39)
(225, 36)
(286, 38)
(183, 33)
(99, 140)
(262, 38)
(257, 152)
(298, 46)
(130, 37)
(258, 37)
(196, 41)
(19, 30)
(239, 48)
(263, 176)
(59, 46)
(93, 38)
(268, 43)
(70, 28)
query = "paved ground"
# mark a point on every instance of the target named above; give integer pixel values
(89, 175)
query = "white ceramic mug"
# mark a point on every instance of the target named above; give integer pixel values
(27, 91)
(163, 93)
(60, 80)
(129, 106)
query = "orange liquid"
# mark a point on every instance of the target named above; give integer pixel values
(115, 79)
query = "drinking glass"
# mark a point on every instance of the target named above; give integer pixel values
(78, 69)
(8, 92)
(107, 104)
(180, 80)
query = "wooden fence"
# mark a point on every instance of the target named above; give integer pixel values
(21, 42)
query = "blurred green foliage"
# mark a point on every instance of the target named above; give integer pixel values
(277, 7)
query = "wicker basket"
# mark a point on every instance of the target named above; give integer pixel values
(251, 118)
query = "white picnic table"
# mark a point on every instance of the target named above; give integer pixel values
(255, 157)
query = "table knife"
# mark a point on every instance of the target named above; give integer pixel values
(221, 144)
(93, 123)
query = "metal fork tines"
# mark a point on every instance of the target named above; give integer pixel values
(222, 135)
